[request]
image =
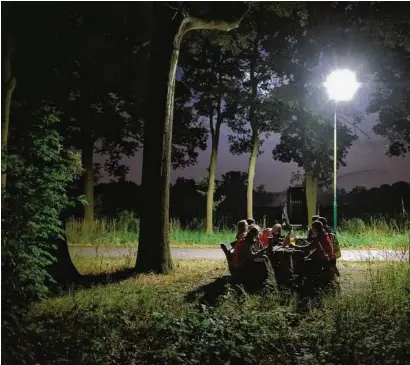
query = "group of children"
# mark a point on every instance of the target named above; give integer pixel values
(252, 242)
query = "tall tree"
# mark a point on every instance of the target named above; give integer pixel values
(387, 28)
(262, 45)
(211, 72)
(307, 140)
(9, 84)
(326, 42)
(169, 28)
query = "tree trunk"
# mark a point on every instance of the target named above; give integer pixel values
(169, 27)
(63, 270)
(255, 129)
(251, 173)
(212, 171)
(88, 166)
(311, 194)
(9, 84)
(154, 254)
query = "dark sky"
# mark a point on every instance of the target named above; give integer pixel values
(367, 164)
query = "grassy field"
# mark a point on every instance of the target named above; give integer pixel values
(193, 316)
(355, 233)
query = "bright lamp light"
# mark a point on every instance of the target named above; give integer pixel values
(341, 85)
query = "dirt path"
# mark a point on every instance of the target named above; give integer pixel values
(217, 254)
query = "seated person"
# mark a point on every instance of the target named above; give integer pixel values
(249, 262)
(247, 249)
(241, 229)
(322, 255)
(335, 241)
(314, 219)
(276, 238)
(321, 242)
(250, 221)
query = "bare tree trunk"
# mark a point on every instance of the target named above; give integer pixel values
(170, 26)
(215, 132)
(9, 84)
(88, 166)
(311, 194)
(255, 130)
(251, 174)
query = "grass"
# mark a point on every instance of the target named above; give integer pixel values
(354, 234)
(164, 320)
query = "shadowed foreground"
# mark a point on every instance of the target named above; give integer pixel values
(194, 316)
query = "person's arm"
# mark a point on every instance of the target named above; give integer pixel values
(249, 255)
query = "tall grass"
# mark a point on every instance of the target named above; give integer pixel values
(354, 233)
(153, 320)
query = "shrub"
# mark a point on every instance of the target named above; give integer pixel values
(38, 172)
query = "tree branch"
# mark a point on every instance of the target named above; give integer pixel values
(192, 23)
(354, 125)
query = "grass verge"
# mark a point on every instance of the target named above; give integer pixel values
(353, 234)
(192, 317)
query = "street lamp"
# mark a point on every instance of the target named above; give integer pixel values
(341, 85)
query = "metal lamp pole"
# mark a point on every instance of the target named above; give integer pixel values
(335, 169)
(341, 85)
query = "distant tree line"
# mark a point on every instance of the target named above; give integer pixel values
(188, 201)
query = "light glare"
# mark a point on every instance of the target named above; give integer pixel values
(341, 85)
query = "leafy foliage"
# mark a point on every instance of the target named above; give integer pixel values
(309, 142)
(39, 170)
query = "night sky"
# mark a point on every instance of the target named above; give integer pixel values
(367, 164)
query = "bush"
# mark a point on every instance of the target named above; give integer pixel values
(38, 172)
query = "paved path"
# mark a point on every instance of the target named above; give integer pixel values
(217, 254)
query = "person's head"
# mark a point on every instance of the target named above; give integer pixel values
(250, 221)
(242, 226)
(253, 232)
(277, 229)
(315, 218)
(323, 220)
(317, 228)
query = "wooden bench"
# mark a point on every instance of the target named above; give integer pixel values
(227, 248)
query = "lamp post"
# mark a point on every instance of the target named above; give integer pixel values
(341, 85)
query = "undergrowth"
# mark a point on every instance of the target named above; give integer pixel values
(166, 320)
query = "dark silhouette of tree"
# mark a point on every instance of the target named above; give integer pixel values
(307, 132)
(233, 186)
(169, 28)
(187, 203)
(9, 84)
(211, 72)
(261, 46)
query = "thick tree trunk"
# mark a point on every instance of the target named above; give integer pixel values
(169, 27)
(212, 171)
(311, 194)
(154, 254)
(63, 270)
(9, 84)
(88, 166)
(251, 173)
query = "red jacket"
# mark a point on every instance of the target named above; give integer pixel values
(237, 260)
(264, 238)
(324, 248)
